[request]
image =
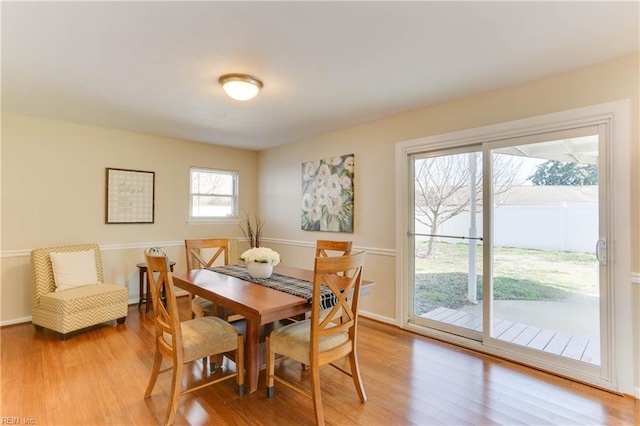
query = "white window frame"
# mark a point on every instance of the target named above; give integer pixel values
(234, 196)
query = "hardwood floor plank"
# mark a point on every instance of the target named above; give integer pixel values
(98, 377)
(508, 416)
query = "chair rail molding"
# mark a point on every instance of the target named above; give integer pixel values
(312, 244)
(105, 247)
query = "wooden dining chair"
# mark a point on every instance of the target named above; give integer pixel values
(322, 340)
(181, 343)
(326, 248)
(205, 253)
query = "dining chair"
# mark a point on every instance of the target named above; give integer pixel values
(181, 343)
(205, 253)
(326, 248)
(322, 340)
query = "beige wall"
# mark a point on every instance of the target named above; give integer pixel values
(53, 192)
(53, 183)
(373, 145)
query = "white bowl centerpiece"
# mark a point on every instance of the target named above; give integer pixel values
(260, 261)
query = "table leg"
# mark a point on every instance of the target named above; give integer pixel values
(252, 355)
(146, 309)
(141, 288)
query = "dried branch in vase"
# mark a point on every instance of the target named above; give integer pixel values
(252, 233)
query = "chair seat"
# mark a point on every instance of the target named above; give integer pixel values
(204, 336)
(83, 298)
(201, 307)
(293, 341)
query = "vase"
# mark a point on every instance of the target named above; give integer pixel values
(260, 270)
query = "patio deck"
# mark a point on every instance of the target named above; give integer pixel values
(555, 342)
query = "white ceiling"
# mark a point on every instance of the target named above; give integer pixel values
(152, 67)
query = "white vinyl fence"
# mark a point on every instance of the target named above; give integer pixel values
(571, 227)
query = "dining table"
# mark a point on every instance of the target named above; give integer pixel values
(259, 304)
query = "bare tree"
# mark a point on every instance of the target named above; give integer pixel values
(209, 183)
(443, 190)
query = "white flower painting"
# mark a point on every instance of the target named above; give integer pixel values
(327, 194)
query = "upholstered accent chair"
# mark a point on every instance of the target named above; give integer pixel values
(323, 339)
(78, 306)
(184, 342)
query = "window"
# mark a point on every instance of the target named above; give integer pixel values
(214, 194)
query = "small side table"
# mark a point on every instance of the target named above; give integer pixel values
(144, 296)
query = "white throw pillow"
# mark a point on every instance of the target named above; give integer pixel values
(74, 269)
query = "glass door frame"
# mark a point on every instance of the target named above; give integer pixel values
(604, 273)
(411, 233)
(615, 117)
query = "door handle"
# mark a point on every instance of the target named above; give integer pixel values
(601, 252)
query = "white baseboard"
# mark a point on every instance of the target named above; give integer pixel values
(134, 301)
(15, 321)
(24, 320)
(381, 318)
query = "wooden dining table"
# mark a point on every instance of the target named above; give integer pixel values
(259, 305)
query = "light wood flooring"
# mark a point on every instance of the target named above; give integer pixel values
(552, 341)
(98, 377)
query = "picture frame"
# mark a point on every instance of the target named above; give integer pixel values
(328, 194)
(129, 196)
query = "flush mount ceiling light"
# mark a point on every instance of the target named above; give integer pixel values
(240, 87)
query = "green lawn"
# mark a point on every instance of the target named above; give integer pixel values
(519, 274)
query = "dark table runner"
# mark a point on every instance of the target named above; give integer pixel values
(291, 285)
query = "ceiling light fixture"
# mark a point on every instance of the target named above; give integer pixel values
(240, 87)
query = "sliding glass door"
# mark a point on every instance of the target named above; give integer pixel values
(548, 260)
(509, 245)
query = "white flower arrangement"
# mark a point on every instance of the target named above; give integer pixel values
(261, 255)
(157, 251)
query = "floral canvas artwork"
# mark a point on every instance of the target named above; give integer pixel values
(327, 194)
